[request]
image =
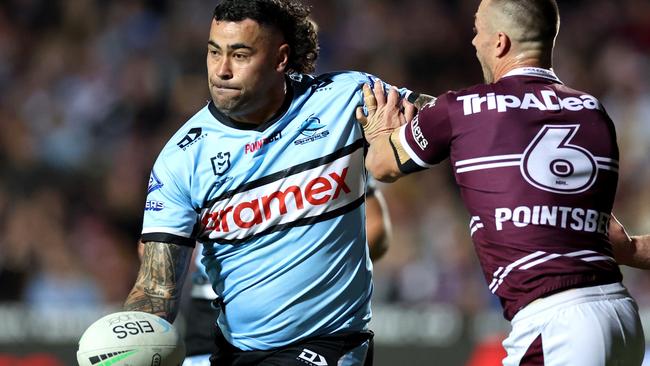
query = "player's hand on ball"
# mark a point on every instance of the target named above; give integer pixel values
(131, 338)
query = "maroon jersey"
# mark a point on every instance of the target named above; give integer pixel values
(537, 166)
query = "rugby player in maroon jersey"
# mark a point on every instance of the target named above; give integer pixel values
(537, 166)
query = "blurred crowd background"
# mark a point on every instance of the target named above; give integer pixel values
(90, 90)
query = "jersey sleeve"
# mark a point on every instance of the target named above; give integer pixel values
(169, 216)
(427, 138)
(361, 78)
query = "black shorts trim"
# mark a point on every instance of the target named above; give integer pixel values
(200, 327)
(321, 349)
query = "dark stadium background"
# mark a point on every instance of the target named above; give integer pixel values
(91, 89)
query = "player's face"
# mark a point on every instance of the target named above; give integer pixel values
(482, 41)
(246, 65)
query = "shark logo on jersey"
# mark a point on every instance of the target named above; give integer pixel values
(154, 183)
(311, 126)
(220, 163)
(312, 129)
(193, 135)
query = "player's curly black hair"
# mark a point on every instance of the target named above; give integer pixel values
(289, 16)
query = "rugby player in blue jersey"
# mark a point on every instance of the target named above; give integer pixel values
(269, 177)
(200, 315)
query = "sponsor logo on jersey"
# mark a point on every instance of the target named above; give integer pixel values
(257, 145)
(310, 195)
(220, 163)
(312, 129)
(193, 135)
(312, 358)
(417, 134)
(154, 206)
(577, 219)
(154, 182)
(546, 100)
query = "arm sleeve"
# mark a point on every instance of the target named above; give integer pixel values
(427, 138)
(370, 79)
(169, 216)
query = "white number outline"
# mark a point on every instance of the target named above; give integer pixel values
(564, 144)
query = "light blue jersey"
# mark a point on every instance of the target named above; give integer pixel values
(280, 212)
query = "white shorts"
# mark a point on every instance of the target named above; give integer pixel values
(592, 326)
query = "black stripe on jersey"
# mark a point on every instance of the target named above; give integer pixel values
(301, 222)
(168, 238)
(347, 150)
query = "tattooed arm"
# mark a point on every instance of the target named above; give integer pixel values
(157, 289)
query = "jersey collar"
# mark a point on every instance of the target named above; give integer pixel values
(533, 71)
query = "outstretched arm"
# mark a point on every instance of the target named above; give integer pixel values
(159, 284)
(631, 251)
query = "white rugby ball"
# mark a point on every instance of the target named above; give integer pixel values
(131, 338)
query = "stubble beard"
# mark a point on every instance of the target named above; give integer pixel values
(228, 105)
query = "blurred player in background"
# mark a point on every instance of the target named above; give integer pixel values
(537, 166)
(200, 315)
(270, 178)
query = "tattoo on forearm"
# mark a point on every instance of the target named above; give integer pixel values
(422, 100)
(159, 284)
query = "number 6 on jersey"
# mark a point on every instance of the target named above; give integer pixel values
(552, 164)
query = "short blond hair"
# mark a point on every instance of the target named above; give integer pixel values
(529, 20)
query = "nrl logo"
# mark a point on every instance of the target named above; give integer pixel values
(220, 163)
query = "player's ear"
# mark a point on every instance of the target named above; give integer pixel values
(503, 44)
(283, 57)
